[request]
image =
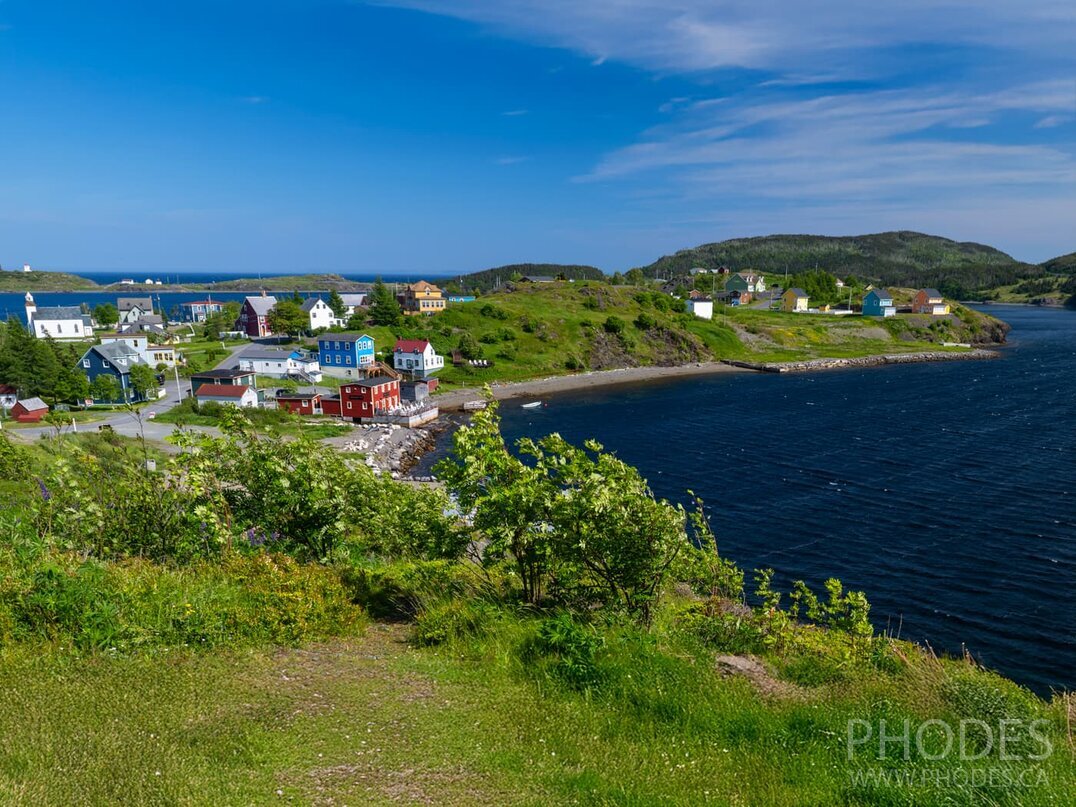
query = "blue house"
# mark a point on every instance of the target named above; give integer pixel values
(878, 303)
(113, 358)
(461, 298)
(342, 353)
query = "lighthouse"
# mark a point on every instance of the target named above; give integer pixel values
(31, 309)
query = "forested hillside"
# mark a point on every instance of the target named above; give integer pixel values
(893, 258)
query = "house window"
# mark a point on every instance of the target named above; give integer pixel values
(349, 404)
(349, 359)
(86, 363)
(336, 345)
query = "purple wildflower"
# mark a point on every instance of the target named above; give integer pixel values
(46, 494)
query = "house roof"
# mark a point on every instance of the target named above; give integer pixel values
(354, 299)
(797, 292)
(700, 299)
(349, 336)
(298, 396)
(268, 353)
(262, 304)
(374, 381)
(7, 389)
(221, 391)
(201, 302)
(117, 353)
(58, 312)
(310, 302)
(539, 278)
(32, 404)
(932, 293)
(232, 372)
(881, 294)
(127, 303)
(422, 285)
(411, 345)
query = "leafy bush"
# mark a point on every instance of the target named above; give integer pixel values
(614, 325)
(450, 619)
(127, 605)
(645, 322)
(571, 645)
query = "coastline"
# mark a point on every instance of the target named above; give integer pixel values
(453, 401)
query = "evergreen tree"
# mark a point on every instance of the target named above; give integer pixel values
(336, 303)
(288, 317)
(384, 309)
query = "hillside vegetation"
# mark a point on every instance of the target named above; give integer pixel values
(533, 331)
(489, 279)
(45, 281)
(266, 621)
(315, 282)
(893, 258)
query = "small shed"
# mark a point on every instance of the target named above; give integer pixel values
(29, 410)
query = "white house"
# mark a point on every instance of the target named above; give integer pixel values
(353, 301)
(416, 357)
(320, 314)
(8, 396)
(702, 307)
(58, 321)
(280, 363)
(227, 395)
(133, 309)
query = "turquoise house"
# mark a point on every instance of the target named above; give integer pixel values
(878, 303)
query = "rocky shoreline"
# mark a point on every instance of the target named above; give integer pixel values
(863, 361)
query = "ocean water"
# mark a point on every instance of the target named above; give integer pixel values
(946, 492)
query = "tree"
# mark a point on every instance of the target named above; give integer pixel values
(16, 356)
(384, 309)
(288, 317)
(336, 303)
(635, 277)
(106, 315)
(105, 389)
(221, 321)
(509, 500)
(469, 347)
(143, 381)
(614, 543)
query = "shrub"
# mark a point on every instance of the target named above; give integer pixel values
(449, 620)
(573, 648)
(645, 322)
(402, 590)
(614, 325)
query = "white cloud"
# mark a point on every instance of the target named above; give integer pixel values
(511, 160)
(514, 113)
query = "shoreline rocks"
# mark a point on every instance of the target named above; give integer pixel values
(862, 361)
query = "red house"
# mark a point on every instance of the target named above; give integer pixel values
(369, 397)
(253, 317)
(301, 403)
(30, 410)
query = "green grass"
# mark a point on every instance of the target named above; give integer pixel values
(202, 354)
(377, 721)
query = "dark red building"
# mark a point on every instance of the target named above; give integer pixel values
(369, 397)
(29, 410)
(301, 403)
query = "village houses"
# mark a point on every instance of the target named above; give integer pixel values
(345, 353)
(238, 395)
(794, 300)
(253, 317)
(321, 316)
(416, 357)
(421, 299)
(929, 301)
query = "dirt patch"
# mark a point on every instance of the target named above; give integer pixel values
(760, 677)
(672, 349)
(399, 786)
(607, 352)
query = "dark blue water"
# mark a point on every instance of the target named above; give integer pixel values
(946, 492)
(12, 303)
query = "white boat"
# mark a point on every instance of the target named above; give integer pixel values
(532, 405)
(473, 406)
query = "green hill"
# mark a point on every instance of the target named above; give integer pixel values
(489, 279)
(894, 258)
(1062, 264)
(44, 281)
(539, 330)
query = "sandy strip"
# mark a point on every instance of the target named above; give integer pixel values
(454, 399)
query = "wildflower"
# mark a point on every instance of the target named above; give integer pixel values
(46, 494)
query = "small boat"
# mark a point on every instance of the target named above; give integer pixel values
(474, 406)
(532, 405)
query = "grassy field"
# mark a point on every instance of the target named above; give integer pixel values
(378, 720)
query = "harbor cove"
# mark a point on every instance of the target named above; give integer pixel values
(947, 491)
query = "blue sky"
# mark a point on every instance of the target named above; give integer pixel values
(450, 136)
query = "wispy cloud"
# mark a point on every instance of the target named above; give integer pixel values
(515, 113)
(511, 160)
(255, 100)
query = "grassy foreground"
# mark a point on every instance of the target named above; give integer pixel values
(377, 720)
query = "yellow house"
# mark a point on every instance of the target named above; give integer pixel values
(422, 298)
(794, 300)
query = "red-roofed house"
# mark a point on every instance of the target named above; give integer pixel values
(301, 403)
(227, 395)
(8, 396)
(416, 357)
